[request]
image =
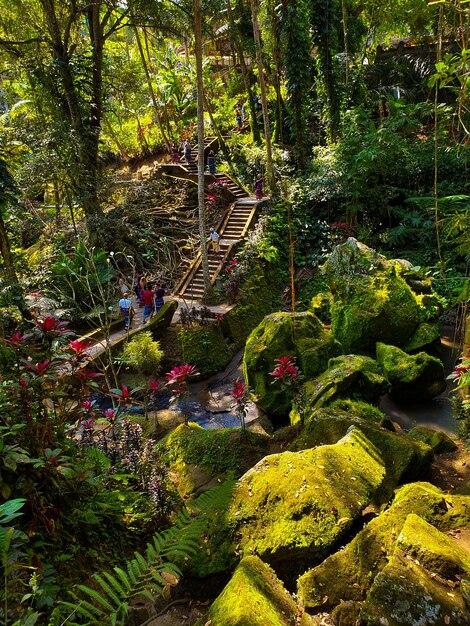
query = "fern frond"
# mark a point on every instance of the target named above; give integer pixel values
(97, 597)
(113, 581)
(108, 589)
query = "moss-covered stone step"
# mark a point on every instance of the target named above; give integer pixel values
(349, 574)
(255, 596)
(350, 375)
(404, 459)
(274, 338)
(198, 458)
(421, 584)
(414, 378)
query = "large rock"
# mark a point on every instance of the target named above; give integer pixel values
(349, 574)
(198, 458)
(348, 375)
(255, 596)
(421, 583)
(414, 378)
(440, 442)
(371, 301)
(294, 506)
(404, 459)
(274, 338)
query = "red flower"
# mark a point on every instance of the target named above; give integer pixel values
(180, 374)
(109, 413)
(154, 385)
(286, 371)
(87, 405)
(39, 368)
(52, 324)
(239, 390)
(80, 345)
(17, 339)
(218, 316)
(88, 423)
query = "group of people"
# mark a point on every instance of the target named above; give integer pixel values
(150, 297)
(185, 153)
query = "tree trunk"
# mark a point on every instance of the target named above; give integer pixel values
(200, 149)
(5, 250)
(264, 99)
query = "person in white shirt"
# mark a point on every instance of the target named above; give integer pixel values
(215, 240)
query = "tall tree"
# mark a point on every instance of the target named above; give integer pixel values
(200, 148)
(264, 97)
(61, 46)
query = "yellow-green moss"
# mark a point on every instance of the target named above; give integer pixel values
(412, 377)
(218, 454)
(404, 595)
(255, 597)
(350, 375)
(371, 301)
(425, 336)
(439, 441)
(320, 305)
(293, 504)
(359, 408)
(403, 459)
(274, 338)
(349, 573)
(205, 347)
(433, 550)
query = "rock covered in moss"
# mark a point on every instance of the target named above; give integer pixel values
(404, 460)
(274, 338)
(420, 585)
(426, 337)
(205, 347)
(293, 504)
(359, 408)
(350, 375)
(371, 301)
(255, 596)
(198, 458)
(439, 441)
(350, 573)
(414, 378)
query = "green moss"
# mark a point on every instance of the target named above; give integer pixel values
(425, 336)
(439, 441)
(320, 305)
(258, 297)
(254, 597)
(420, 585)
(432, 549)
(371, 301)
(295, 504)
(412, 377)
(205, 347)
(349, 573)
(404, 460)
(359, 408)
(274, 338)
(349, 375)
(196, 456)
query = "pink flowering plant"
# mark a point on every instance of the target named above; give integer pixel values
(288, 377)
(177, 381)
(241, 398)
(461, 373)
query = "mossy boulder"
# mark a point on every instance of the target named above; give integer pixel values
(292, 507)
(350, 375)
(371, 301)
(205, 347)
(420, 585)
(350, 573)
(426, 337)
(404, 460)
(295, 504)
(255, 596)
(414, 378)
(359, 408)
(440, 442)
(198, 458)
(274, 338)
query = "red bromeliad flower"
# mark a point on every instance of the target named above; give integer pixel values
(109, 413)
(178, 378)
(52, 324)
(87, 405)
(88, 423)
(286, 371)
(218, 316)
(39, 368)
(239, 390)
(79, 346)
(17, 339)
(154, 385)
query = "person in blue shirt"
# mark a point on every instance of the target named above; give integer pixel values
(126, 310)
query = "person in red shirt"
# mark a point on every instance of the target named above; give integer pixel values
(148, 298)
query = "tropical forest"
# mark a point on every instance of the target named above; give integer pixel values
(234, 323)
